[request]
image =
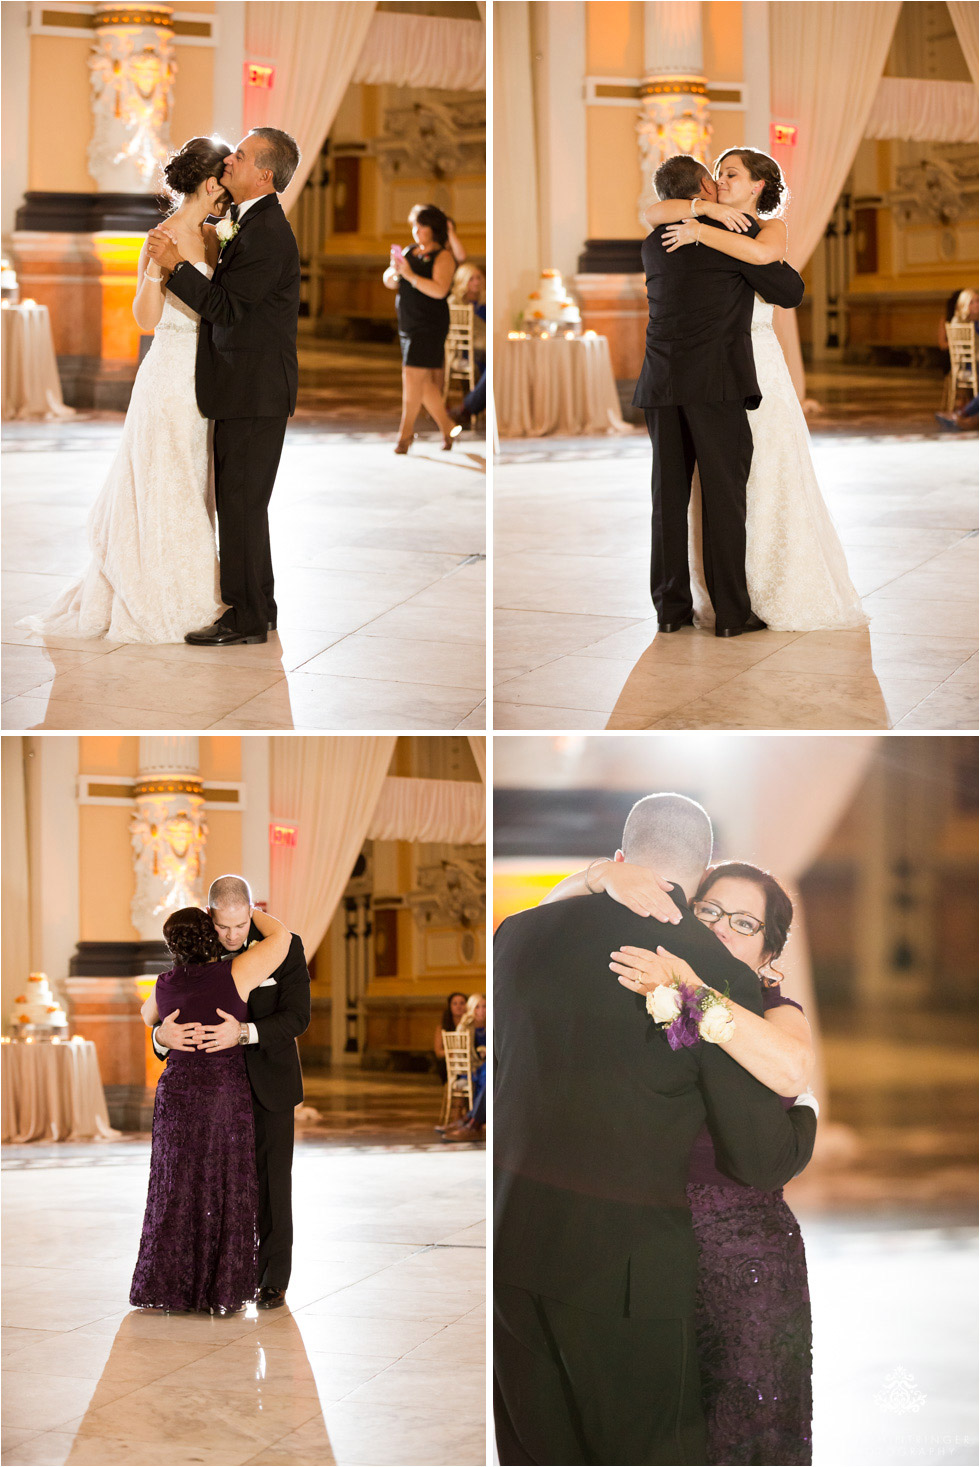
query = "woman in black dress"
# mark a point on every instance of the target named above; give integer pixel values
(423, 276)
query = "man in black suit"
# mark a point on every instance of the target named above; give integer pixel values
(278, 1012)
(697, 381)
(594, 1118)
(247, 372)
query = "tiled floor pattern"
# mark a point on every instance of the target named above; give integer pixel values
(575, 643)
(378, 1358)
(379, 579)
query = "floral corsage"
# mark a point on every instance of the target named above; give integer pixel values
(226, 229)
(690, 1014)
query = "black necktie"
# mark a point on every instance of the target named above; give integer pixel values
(233, 211)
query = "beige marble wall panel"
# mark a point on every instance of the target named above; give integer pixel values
(615, 306)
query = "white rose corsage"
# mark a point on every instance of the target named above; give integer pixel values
(225, 229)
(690, 1015)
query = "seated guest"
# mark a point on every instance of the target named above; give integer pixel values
(474, 1023)
(470, 289)
(451, 1015)
(961, 306)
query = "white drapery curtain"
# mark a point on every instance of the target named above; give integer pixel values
(478, 748)
(16, 876)
(924, 111)
(966, 19)
(314, 49)
(826, 61)
(449, 811)
(515, 215)
(329, 787)
(423, 51)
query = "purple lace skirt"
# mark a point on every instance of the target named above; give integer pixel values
(753, 1326)
(199, 1249)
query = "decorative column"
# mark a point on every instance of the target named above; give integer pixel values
(674, 116)
(132, 70)
(168, 832)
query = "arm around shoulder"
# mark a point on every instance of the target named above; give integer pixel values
(253, 967)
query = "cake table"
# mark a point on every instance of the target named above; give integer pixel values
(31, 385)
(52, 1091)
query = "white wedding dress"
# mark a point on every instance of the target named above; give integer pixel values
(795, 565)
(154, 569)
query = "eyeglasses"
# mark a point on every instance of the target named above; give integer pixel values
(741, 922)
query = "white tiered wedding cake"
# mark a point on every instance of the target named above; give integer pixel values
(38, 1008)
(550, 308)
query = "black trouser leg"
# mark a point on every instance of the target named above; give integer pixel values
(723, 446)
(246, 457)
(571, 1386)
(274, 1162)
(670, 485)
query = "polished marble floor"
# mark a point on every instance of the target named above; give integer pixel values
(379, 577)
(576, 645)
(378, 1358)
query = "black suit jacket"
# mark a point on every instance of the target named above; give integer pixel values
(246, 348)
(280, 1014)
(595, 1115)
(699, 342)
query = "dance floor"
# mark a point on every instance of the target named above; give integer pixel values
(379, 1356)
(576, 646)
(379, 578)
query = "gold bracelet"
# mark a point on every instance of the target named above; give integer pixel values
(588, 873)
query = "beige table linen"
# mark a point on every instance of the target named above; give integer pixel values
(556, 384)
(31, 385)
(53, 1092)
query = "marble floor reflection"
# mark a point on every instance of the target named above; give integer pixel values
(575, 642)
(379, 1356)
(379, 578)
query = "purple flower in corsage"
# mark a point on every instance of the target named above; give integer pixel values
(689, 1015)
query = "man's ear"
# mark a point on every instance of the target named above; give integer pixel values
(619, 856)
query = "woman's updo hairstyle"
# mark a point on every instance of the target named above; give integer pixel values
(189, 933)
(197, 160)
(779, 908)
(774, 195)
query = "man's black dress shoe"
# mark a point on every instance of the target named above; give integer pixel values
(754, 624)
(271, 1298)
(220, 635)
(675, 626)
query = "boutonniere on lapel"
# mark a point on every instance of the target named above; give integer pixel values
(226, 229)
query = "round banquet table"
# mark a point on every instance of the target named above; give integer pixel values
(556, 384)
(31, 385)
(53, 1092)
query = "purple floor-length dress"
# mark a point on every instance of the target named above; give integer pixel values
(753, 1315)
(199, 1249)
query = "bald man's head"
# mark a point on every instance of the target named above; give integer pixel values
(230, 904)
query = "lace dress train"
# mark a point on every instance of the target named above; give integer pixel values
(154, 571)
(795, 565)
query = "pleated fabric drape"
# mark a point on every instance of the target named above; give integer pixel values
(966, 19)
(924, 111)
(449, 811)
(424, 51)
(314, 49)
(16, 875)
(330, 788)
(826, 62)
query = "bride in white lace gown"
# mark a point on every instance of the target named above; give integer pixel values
(153, 574)
(795, 566)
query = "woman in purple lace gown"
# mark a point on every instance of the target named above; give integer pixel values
(753, 1307)
(199, 1249)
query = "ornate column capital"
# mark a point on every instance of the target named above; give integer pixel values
(674, 110)
(132, 70)
(168, 832)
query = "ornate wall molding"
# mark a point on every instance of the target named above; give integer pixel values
(442, 139)
(168, 832)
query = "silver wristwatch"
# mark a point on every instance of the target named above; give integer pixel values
(243, 1035)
